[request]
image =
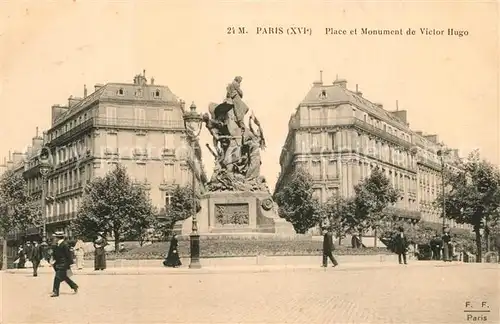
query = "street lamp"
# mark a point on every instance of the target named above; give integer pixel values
(441, 153)
(192, 123)
(44, 167)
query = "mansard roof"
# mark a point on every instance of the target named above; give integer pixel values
(336, 93)
(121, 91)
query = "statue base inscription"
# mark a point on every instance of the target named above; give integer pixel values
(237, 212)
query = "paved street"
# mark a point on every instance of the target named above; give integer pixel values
(435, 293)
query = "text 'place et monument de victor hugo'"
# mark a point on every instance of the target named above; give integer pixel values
(236, 198)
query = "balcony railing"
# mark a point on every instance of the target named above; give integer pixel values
(118, 123)
(137, 123)
(354, 122)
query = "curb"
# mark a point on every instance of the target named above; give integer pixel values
(230, 269)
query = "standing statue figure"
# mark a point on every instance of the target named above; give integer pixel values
(255, 142)
(234, 97)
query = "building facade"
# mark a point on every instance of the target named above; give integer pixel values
(339, 137)
(139, 125)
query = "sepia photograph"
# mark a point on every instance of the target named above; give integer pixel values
(249, 161)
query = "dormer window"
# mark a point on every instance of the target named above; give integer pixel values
(322, 94)
(138, 93)
(120, 92)
(156, 94)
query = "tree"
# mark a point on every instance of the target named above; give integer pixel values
(115, 205)
(473, 197)
(18, 210)
(297, 204)
(339, 211)
(179, 209)
(372, 195)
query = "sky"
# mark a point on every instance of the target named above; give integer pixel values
(448, 84)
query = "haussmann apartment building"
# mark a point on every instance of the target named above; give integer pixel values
(339, 137)
(139, 125)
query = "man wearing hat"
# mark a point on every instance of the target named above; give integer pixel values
(62, 260)
(328, 247)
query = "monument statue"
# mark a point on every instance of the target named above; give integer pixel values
(237, 198)
(236, 147)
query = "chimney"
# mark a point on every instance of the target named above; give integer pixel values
(85, 91)
(379, 105)
(152, 80)
(401, 115)
(57, 110)
(432, 138)
(98, 86)
(321, 76)
(29, 151)
(144, 73)
(397, 105)
(340, 82)
(73, 101)
(359, 93)
(17, 157)
(36, 142)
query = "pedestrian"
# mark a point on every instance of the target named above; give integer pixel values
(46, 252)
(99, 253)
(328, 248)
(401, 245)
(35, 257)
(27, 250)
(436, 245)
(21, 256)
(79, 254)
(62, 261)
(173, 259)
(446, 245)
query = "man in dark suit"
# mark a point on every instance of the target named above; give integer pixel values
(401, 245)
(328, 248)
(446, 245)
(62, 260)
(436, 244)
(36, 256)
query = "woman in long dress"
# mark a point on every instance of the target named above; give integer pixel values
(100, 253)
(79, 253)
(173, 259)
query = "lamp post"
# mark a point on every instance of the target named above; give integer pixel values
(44, 168)
(441, 153)
(192, 123)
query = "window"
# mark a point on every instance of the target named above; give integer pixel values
(111, 112)
(138, 93)
(332, 169)
(168, 172)
(323, 95)
(315, 116)
(112, 143)
(316, 169)
(140, 116)
(316, 142)
(168, 199)
(156, 94)
(120, 92)
(331, 141)
(170, 141)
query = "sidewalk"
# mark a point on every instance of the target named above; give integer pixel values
(161, 270)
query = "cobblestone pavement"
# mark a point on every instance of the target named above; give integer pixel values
(405, 294)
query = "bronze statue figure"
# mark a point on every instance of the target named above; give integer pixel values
(236, 146)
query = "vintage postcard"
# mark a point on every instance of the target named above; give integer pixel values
(249, 161)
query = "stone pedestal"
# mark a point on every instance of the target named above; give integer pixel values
(237, 212)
